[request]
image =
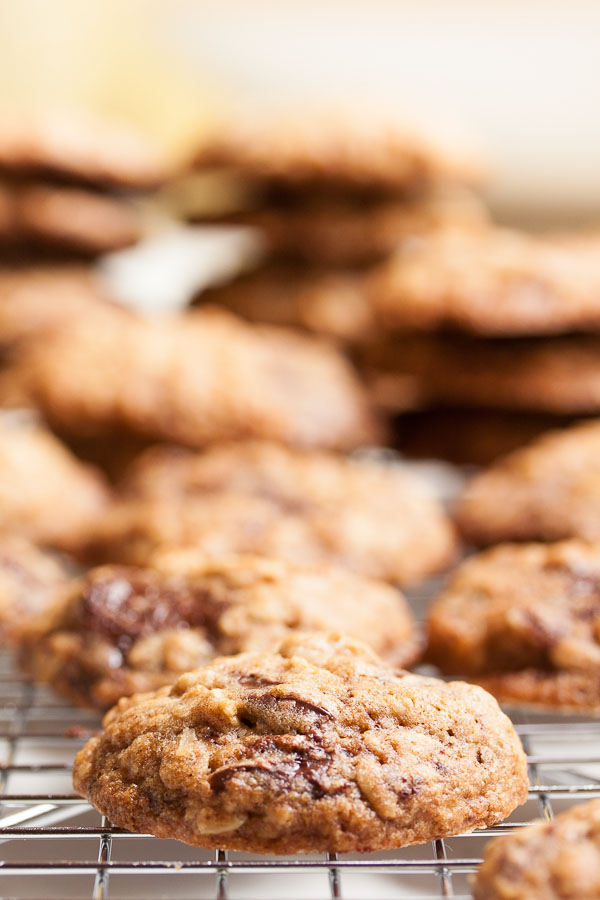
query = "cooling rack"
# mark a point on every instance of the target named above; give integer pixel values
(53, 845)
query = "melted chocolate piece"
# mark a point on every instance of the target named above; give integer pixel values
(127, 603)
(269, 700)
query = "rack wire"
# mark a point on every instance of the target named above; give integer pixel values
(54, 845)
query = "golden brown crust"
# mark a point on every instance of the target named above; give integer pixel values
(553, 860)
(316, 746)
(122, 630)
(369, 515)
(547, 490)
(195, 379)
(46, 494)
(30, 582)
(492, 281)
(524, 621)
(372, 154)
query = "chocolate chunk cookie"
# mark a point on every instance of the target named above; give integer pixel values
(370, 155)
(194, 379)
(524, 621)
(492, 281)
(314, 746)
(555, 860)
(309, 507)
(122, 629)
(46, 494)
(30, 582)
(546, 491)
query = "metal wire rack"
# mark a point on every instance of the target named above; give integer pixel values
(53, 845)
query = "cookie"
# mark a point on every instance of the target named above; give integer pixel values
(547, 491)
(38, 299)
(123, 630)
(524, 621)
(30, 582)
(369, 515)
(46, 494)
(369, 155)
(194, 379)
(553, 860)
(80, 149)
(559, 375)
(70, 219)
(356, 232)
(325, 302)
(314, 746)
(491, 281)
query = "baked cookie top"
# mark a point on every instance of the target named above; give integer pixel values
(78, 148)
(491, 281)
(524, 621)
(195, 379)
(46, 494)
(548, 490)
(555, 860)
(30, 582)
(372, 155)
(314, 746)
(122, 629)
(368, 514)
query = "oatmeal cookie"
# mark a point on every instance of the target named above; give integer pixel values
(30, 583)
(46, 494)
(547, 491)
(69, 219)
(369, 515)
(491, 281)
(123, 630)
(194, 379)
(555, 860)
(78, 149)
(524, 621)
(356, 232)
(314, 746)
(332, 152)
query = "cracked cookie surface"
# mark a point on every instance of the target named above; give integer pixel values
(315, 746)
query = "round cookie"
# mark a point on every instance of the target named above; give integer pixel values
(547, 491)
(554, 860)
(46, 494)
(491, 281)
(69, 219)
(314, 746)
(355, 232)
(367, 514)
(194, 379)
(330, 303)
(36, 299)
(122, 630)
(78, 148)
(524, 621)
(30, 582)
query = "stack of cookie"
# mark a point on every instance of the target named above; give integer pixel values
(496, 328)
(330, 198)
(69, 185)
